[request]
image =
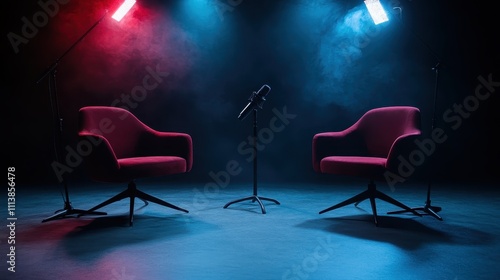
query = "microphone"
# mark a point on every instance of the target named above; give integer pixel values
(255, 100)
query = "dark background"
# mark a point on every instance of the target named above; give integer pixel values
(324, 60)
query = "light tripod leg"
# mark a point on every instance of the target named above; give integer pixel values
(68, 210)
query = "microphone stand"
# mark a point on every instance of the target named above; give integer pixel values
(51, 72)
(428, 208)
(254, 197)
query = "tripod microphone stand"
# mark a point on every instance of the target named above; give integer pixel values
(51, 72)
(255, 104)
(428, 208)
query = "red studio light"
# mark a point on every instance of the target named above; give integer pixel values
(123, 10)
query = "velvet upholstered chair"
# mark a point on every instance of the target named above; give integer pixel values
(126, 149)
(368, 149)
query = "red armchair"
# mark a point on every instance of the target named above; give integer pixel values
(126, 149)
(368, 149)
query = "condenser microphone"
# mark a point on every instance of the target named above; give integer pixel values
(255, 100)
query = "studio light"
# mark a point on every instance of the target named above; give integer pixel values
(376, 11)
(123, 10)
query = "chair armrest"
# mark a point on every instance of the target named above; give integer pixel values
(345, 142)
(402, 147)
(179, 144)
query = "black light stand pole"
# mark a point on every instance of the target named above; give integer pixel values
(255, 196)
(428, 208)
(51, 72)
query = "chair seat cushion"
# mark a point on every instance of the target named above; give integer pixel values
(353, 165)
(147, 166)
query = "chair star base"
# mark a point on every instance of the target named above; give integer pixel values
(132, 192)
(371, 193)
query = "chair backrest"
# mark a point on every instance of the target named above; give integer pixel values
(119, 127)
(380, 127)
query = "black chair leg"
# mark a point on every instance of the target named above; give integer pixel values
(374, 210)
(147, 197)
(371, 193)
(391, 200)
(132, 192)
(355, 199)
(131, 211)
(124, 194)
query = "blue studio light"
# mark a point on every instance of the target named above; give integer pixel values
(376, 11)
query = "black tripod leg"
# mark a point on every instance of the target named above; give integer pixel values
(269, 199)
(61, 214)
(427, 208)
(262, 208)
(239, 200)
(253, 198)
(70, 211)
(430, 210)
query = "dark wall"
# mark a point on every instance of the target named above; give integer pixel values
(324, 60)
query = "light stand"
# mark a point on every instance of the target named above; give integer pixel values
(256, 101)
(51, 72)
(428, 208)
